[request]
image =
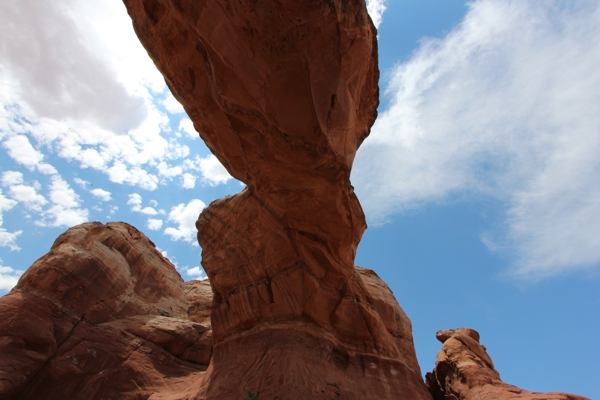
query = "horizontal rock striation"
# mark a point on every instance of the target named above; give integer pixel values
(283, 92)
(104, 315)
(465, 371)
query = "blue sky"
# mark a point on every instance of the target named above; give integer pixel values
(480, 180)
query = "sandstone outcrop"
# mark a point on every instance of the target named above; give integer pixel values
(465, 371)
(103, 315)
(283, 92)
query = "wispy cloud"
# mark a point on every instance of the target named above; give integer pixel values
(196, 273)
(376, 9)
(8, 277)
(103, 98)
(20, 149)
(102, 194)
(66, 209)
(213, 172)
(7, 239)
(506, 105)
(154, 224)
(185, 216)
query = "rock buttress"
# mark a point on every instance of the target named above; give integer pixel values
(283, 92)
(464, 371)
(105, 315)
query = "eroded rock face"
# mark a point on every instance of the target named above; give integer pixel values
(465, 371)
(102, 315)
(283, 92)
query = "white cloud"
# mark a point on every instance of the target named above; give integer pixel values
(196, 273)
(12, 178)
(81, 182)
(172, 105)
(62, 194)
(187, 126)
(76, 78)
(167, 171)
(135, 201)
(185, 216)
(505, 105)
(67, 79)
(5, 205)
(28, 195)
(46, 169)
(148, 211)
(214, 173)
(102, 194)
(136, 176)
(22, 193)
(7, 239)
(154, 224)
(20, 149)
(189, 181)
(8, 277)
(65, 210)
(376, 9)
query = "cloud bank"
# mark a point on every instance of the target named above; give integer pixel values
(506, 105)
(75, 81)
(77, 86)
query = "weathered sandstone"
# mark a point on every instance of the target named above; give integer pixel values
(283, 92)
(102, 315)
(105, 315)
(465, 371)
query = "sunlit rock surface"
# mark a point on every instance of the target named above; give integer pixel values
(103, 315)
(283, 93)
(465, 371)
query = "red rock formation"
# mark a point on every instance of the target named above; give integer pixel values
(102, 315)
(283, 92)
(464, 371)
